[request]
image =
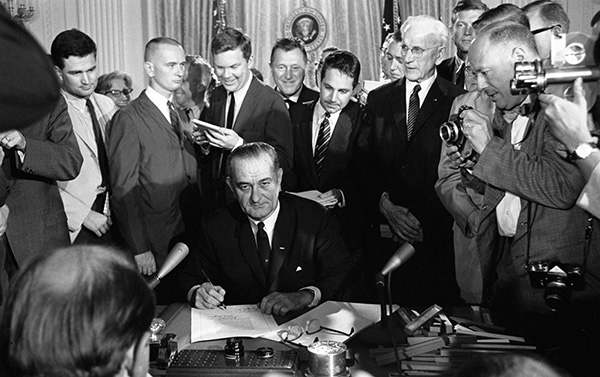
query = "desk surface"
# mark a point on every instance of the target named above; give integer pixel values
(178, 320)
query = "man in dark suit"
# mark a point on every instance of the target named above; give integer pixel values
(275, 249)
(401, 146)
(530, 192)
(463, 15)
(36, 156)
(247, 109)
(152, 161)
(288, 65)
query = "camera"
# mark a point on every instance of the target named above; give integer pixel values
(557, 279)
(452, 133)
(570, 57)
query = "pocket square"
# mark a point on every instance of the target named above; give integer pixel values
(298, 269)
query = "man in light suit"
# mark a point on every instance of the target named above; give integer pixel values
(400, 146)
(288, 67)
(258, 113)
(153, 162)
(86, 198)
(530, 192)
(275, 249)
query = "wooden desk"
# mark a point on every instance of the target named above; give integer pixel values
(178, 320)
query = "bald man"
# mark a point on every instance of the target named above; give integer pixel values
(152, 161)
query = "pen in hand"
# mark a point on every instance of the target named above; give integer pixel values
(221, 305)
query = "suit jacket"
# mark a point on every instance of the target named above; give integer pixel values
(307, 251)
(548, 187)
(79, 194)
(153, 175)
(37, 220)
(407, 170)
(336, 171)
(263, 116)
(447, 68)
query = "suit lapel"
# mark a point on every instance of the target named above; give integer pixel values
(281, 249)
(248, 105)
(306, 142)
(247, 244)
(431, 103)
(158, 116)
(398, 102)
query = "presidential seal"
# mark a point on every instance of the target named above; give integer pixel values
(308, 25)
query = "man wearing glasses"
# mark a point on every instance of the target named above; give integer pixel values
(547, 20)
(400, 148)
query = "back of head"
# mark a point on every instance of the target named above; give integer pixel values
(345, 62)
(154, 44)
(499, 13)
(288, 44)
(434, 27)
(506, 365)
(71, 43)
(464, 5)
(551, 12)
(230, 39)
(74, 312)
(199, 76)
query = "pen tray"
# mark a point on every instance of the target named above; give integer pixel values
(213, 363)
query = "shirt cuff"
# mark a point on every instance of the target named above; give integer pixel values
(239, 143)
(192, 294)
(316, 295)
(342, 202)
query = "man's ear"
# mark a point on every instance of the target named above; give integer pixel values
(518, 54)
(441, 55)
(279, 175)
(228, 180)
(59, 74)
(127, 363)
(149, 68)
(250, 60)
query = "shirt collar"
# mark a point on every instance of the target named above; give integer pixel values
(425, 85)
(77, 102)
(269, 222)
(157, 98)
(241, 94)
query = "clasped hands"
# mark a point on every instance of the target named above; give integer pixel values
(210, 296)
(404, 225)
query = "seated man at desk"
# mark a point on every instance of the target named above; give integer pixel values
(271, 248)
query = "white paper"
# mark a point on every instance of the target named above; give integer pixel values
(235, 321)
(314, 196)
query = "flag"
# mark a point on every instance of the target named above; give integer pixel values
(391, 18)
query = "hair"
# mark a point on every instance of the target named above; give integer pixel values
(230, 39)
(71, 43)
(436, 28)
(397, 36)
(386, 42)
(154, 43)
(258, 74)
(551, 12)
(501, 12)
(464, 5)
(595, 19)
(74, 311)
(326, 50)
(289, 44)
(345, 62)
(507, 32)
(251, 151)
(201, 77)
(506, 365)
(104, 81)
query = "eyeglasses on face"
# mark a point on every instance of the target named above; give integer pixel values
(119, 93)
(543, 29)
(416, 51)
(311, 327)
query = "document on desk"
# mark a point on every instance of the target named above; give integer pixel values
(336, 315)
(235, 321)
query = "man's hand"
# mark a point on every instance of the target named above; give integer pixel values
(97, 223)
(330, 198)
(567, 120)
(457, 159)
(278, 303)
(404, 224)
(199, 136)
(4, 211)
(226, 139)
(13, 139)
(477, 127)
(146, 263)
(208, 296)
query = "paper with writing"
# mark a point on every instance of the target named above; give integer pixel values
(235, 321)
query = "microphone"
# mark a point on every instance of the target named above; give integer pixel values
(176, 255)
(404, 253)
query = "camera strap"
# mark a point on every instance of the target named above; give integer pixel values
(586, 246)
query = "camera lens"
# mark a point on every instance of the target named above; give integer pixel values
(557, 295)
(449, 132)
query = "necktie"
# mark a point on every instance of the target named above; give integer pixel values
(264, 249)
(413, 111)
(102, 157)
(174, 119)
(322, 142)
(231, 111)
(460, 76)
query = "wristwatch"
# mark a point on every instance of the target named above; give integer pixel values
(582, 151)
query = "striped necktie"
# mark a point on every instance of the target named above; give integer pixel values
(413, 111)
(322, 143)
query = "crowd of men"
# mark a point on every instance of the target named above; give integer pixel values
(292, 196)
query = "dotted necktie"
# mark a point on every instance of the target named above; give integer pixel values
(413, 111)
(322, 143)
(264, 249)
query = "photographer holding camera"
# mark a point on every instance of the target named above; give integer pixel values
(530, 192)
